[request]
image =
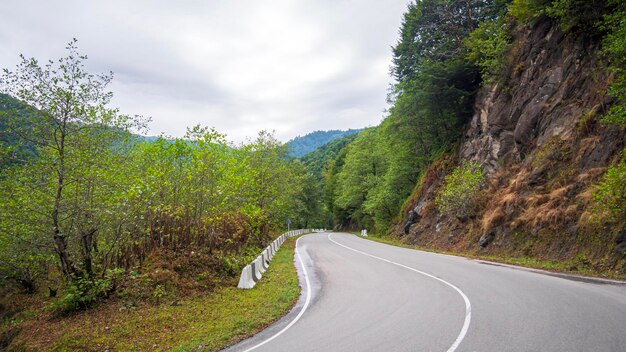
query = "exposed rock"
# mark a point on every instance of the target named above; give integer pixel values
(537, 136)
(599, 149)
(410, 221)
(620, 242)
(486, 239)
(548, 89)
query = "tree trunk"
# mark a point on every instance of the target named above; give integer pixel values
(88, 245)
(60, 242)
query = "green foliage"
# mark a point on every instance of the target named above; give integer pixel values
(84, 292)
(577, 15)
(93, 196)
(525, 11)
(303, 145)
(431, 102)
(457, 196)
(488, 45)
(158, 293)
(580, 16)
(434, 30)
(358, 177)
(610, 196)
(317, 161)
(13, 149)
(614, 48)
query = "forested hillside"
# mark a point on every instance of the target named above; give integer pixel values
(430, 105)
(504, 135)
(318, 160)
(303, 145)
(13, 149)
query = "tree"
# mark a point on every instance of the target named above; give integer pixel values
(76, 124)
(434, 30)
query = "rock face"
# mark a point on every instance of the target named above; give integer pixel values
(620, 243)
(554, 80)
(537, 136)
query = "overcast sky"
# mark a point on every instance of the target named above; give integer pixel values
(290, 66)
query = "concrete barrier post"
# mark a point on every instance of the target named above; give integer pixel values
(263, 259)
(254, 269)
(259, 264)
(253, 272)
(246, 281)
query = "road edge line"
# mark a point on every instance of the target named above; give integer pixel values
(468, 305)
(304, 308)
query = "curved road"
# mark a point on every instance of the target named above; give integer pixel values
(359, 295)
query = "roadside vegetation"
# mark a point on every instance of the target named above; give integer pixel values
(458, 196)
(199, 322)
(91, 212)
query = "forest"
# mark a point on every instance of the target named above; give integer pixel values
(303, 145)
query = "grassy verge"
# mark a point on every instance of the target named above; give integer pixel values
(208, 322)
(576, 266)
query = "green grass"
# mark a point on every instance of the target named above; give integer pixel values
(208, 322)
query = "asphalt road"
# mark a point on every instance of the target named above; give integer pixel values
(359, 295)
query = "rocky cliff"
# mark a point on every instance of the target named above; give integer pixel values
(537, 136)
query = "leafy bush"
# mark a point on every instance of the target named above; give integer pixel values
(610, 196)
(527, 10)
(158, 293)
(614, 48)
(85, 292)
(577, 15)
(571, 15)
(487, 47)
(458, 195)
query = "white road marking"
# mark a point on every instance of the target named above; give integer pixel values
(468, 305)
(306, 303)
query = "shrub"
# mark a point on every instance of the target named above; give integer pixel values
(527, 10)
(578, 15)
(158, 293)
(610, 197)
(85, 292)
(487, 47)
(614, 48)
(458, 195)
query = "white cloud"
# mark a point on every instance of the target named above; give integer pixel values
(240, 66)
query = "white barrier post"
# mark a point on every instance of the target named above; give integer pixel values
(246, 281)
(259, 265)
(254, 269)
(266, 258)
(253, 272)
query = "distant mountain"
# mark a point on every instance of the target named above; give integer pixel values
(148, 138)
(13, 150)
(303, 145)
(317, 160)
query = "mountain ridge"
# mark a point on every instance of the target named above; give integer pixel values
(302, 145)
